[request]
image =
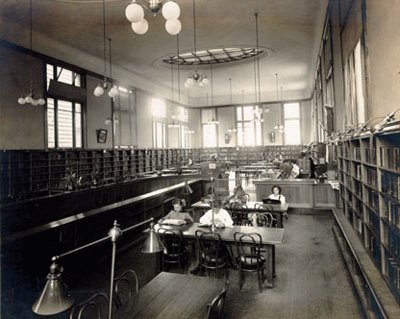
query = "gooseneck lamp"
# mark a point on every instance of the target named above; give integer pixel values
(55, 297)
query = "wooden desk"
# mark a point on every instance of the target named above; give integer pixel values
(277, 209)
(170, 296)
(270, 237)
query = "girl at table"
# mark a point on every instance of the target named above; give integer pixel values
(221, 216)
(177, 212)
(277, 195)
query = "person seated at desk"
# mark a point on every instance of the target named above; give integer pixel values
(277, 195)
(239, 195)
(221, 216)
(286, 168)
(177, 212)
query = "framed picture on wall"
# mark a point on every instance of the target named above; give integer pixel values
(101, 136)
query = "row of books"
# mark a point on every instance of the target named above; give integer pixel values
(390, 158)
(374, 222)
(394, 240)
(392, 211)
(371, 177)
(393, 272)
(375, 246)
(373, 199)
(391, 184)
(357, 171)
(370, 156)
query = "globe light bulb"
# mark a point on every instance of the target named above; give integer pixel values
(41, 101)
(113, 92)
(98, 91)
(34, 102)
(28, 99)
(140, 27)
(134, 12)
(171, 10)
(205, 81)
(190, 81)
(21, 100)
(173, 27)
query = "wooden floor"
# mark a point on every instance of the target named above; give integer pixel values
(311, 279)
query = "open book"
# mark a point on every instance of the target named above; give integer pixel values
(175, 222)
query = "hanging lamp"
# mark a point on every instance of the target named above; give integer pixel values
(31, 97)
(170, 10)
(195, 78)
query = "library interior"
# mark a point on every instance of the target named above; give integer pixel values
(161, 159)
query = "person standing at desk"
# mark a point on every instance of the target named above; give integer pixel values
(221, 216)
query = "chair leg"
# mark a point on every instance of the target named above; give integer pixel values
(241, 279)
(260, 284)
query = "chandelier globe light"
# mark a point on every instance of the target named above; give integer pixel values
(31, 97)
(170, 10)
(107, 83)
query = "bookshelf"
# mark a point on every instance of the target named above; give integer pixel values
(369, 176)
(31, 173)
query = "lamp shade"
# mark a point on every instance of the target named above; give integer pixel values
(173, 27)
(98, 91)
(55, 297)
(187, 190)
(140, 27)
(152, 243)
(171, 10)
(134, 12)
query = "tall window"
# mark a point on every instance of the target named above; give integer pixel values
(159, 108)
(292, 123)
(64, 117)
(209, 127)
(184, 136)
(354, 84)
(64, 123)
(248, 126)
(159, 135)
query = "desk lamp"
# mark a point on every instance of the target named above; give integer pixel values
(55, 297)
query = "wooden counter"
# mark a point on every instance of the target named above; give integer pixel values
(299, 193)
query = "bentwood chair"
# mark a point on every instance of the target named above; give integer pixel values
(175, 252)
(239, 214)
(249, 257)
(216, 307)
(126, 286)
(212, 254)
(95, 307)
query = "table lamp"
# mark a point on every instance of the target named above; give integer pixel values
(55, 297)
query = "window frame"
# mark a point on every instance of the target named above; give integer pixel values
(292, 118)
(256, 126)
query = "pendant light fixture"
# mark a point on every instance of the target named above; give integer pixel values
(107, 82)
(232, 129)
(279, 128)
(30, 98)
(195, 78)
(173, 117)
(213, 120)
(258, 112)
(170, 10)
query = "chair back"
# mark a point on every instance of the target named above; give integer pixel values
(210, 245)
(95, 307)
(248, 246)
(239, 214)
(216, 307)
(172, 240)
(125, 287)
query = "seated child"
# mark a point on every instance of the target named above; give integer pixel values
(177, 212)
(221, 216)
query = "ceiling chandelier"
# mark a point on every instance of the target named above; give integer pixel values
(107, 84)
(30, 98)
(195, 78)
(134, 12)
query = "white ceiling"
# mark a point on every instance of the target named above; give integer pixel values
(72, 31)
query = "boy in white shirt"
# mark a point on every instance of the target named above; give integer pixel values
(221, 216)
